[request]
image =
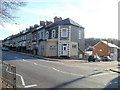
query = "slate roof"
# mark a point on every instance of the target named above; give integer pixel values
(66, 21)
(110, 45)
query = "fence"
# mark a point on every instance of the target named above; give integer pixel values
(8, 75)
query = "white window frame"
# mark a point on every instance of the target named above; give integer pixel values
(53, 33)
(63, 32)
(47, 34)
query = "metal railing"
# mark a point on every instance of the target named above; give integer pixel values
(8, 75)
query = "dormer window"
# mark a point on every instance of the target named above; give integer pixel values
(53, 33)
(64, 32)
(47, 35)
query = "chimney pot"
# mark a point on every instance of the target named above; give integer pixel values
(42, 23)
(56, 19)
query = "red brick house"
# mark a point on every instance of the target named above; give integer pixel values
(104, 48)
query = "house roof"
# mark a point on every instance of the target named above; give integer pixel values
(110, 44)
(89, 48)
(64, 22)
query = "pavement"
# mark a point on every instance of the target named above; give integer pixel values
(54, 59)
(116, 69)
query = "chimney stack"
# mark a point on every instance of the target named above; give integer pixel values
(42, 23)
(36, 25)
(31, 27)
(56, 19)
(48, 22)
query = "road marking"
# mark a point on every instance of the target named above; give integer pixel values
(23, 82)
(28, 86)
(35, 63)
(105, 84)
(66, 72)
(23, 59)
(54, 62)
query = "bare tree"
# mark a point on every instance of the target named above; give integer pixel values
(7, 9)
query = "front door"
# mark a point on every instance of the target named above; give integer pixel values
(65, 49)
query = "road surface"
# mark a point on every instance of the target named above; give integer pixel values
(40, 73)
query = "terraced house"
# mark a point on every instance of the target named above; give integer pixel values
(61, 38)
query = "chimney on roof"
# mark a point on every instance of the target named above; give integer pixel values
(42, 23)
(48, 22)
(111, 42)
(31, 27)
(36, 25)
(56, 19)
(27, 28)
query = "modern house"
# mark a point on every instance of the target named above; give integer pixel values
(104, 48)
(61, 38)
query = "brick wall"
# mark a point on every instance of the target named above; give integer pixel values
(101, 49)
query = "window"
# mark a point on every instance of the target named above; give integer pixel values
(42, 48)
(64, 32)
(47, 35)
(53, 33)
(25, 37)
(41, 35)
(52, 48)
(112, 50)
(35, 38)
(74, 47)
(80, 34)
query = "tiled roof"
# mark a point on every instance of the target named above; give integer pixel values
(110, 44)
(64, 22)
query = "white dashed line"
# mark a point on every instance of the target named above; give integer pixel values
(105, 84)
(35, 63)
(66, 72)
(23, 59)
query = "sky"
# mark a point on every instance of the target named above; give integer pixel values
(99, 17)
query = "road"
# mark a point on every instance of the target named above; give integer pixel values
(40, 73)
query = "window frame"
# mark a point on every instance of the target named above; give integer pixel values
(74, 47)
(47, 35)
(63, 32)
(53, 33)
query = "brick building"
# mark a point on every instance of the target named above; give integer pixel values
(104, 48)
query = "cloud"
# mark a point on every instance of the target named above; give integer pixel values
(11, 29)
(99, 17)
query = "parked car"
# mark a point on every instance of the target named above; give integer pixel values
(94, 58)
(106, 58)
(5, 49)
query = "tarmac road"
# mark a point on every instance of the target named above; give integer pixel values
(39, 73)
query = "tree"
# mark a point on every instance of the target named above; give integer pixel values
(7, 8)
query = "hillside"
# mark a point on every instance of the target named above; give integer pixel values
(93, 41)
